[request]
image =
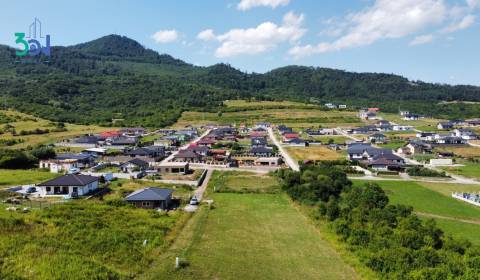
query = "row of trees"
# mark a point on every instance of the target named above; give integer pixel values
(27, 158)
(389, 239)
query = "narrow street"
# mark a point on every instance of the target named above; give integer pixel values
(288, 159)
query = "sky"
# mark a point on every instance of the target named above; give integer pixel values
(429, 40)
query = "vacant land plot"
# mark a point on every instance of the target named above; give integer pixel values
(267, 104)
(325, 139)
(449, 212)
(83, 240)
(252, 236)
(24, 122)
(468, 169)
(236, 181)
(15, 177)
(296, 118)
(120, 188)
(313, 153)
(448, 189)
(425, 122)
(461, 150)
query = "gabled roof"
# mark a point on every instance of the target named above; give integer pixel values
(70, 180)
(187, 154)
(261, 150)
(141, 152)
(149, 194)
(74, 156)
(137, 162)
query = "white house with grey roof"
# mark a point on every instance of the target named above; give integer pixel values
(70, 184)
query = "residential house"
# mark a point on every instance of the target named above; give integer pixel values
(200, 150)
(415, 148)
(365, 129)
(88, 140)
(361, 151)
(377, 138)
(342, 106)
(445, 125)
(296, 142)
(451, 140)
(151, 198)
(331, 106)
(289, 136)
(258, 141)
(70, 184)
(402, 127)
(96, 152)
(404, 113)
(284, 129)
(157, 152)
(172, 167)
(411, 117)
(82, 160)
(122, 141)
(261, 152)
(59, 166)
(134, 165)
(262, 125)
(465, 134)
(268, 161)
(133, 131)
(187, 156)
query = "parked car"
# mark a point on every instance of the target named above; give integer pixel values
(194, 201)
(31, 190)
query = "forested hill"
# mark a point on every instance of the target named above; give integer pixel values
(115, 77)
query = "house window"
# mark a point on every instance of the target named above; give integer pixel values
(146, 203)
(48, 189)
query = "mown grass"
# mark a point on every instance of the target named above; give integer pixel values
(83, 240)
(337, 139)
(252, 236)
(448, 189)
(27, 122)
(313, 153)
(461, 150)
(451, 214)
(239, 181)
(469, 169)
(15, 177)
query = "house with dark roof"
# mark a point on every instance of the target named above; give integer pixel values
(87, 139)
(200, 150)
(296, 142)
(377, 138)
(123, 141)
(151, 198)
(445, 125)
(70, 184)
(149, 151)
(134, 165)
(258, 141)
(361, 151)
(261, 152)
(187, 156)
(82, 159)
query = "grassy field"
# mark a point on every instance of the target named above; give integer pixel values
(337, 139)
(469, 169)
(461, 150)
(15, 177)
(251, 236)
(122, 187)
(239, 181)
(434, 201)
(267, 104)
(424, 123)
(313, 153)
(447, 189)
(294, 117)
(83, 240)
(28, 123)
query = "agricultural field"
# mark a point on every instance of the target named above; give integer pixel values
(293, 117)
(27, 123)
(469, 169)
(251, 236)
(15, 177)
(434, 201)
(241, 181)
(313, 153)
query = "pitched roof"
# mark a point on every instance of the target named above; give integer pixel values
(137, 162)
(149, 194)
(261, 150)
(70, 180)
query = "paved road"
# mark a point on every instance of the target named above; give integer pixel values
(253, 169)
(473, 145)
(170, 157)
(288, 159)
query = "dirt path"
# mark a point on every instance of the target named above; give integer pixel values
(428, 215)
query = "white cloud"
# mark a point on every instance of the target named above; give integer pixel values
(385, 19)
(206, 35)
(264, 37)
(248, 4)
(464, 23)
(422, 39)
(165, 36)
(473, 3)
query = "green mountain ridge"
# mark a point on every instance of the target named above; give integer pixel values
(113, 76)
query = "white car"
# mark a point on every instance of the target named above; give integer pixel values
(194, 201)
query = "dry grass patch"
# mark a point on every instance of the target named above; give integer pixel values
(313, 153)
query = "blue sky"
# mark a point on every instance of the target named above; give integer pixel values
(430, 40)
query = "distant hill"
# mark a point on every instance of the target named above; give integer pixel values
(116, 77)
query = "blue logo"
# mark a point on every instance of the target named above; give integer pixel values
(31, 45)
